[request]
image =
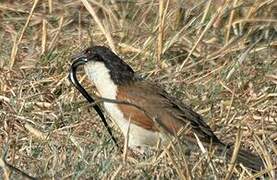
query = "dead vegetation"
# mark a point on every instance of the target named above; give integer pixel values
(218, 56)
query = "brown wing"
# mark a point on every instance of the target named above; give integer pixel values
(169, 112)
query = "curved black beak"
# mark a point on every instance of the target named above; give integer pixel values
(81, 60)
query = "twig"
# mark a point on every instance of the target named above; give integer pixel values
(242, 58)
(98, 22)
(230, 22)
(126, 142)
(44, 36)
(235, 154)
(51, 45)
(204, 151)
(17, 42)
(200, 37)
(162, 14)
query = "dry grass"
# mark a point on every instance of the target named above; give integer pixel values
(218, 56)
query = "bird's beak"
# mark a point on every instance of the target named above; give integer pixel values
(78, 60)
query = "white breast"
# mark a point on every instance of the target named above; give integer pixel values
(99, 74)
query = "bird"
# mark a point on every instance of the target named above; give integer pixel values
(144, 112)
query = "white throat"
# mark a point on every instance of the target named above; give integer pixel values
(99, 74)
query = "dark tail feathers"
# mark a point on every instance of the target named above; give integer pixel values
(247, 158)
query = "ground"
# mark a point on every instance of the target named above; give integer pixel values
(217, 56)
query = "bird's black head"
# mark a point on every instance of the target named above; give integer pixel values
(120, 72)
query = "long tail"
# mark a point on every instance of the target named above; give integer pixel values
(247, 158)
(244, 157)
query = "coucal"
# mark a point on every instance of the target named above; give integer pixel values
(144, 111)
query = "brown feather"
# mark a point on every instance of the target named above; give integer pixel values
(170, 114)
(135, 115)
